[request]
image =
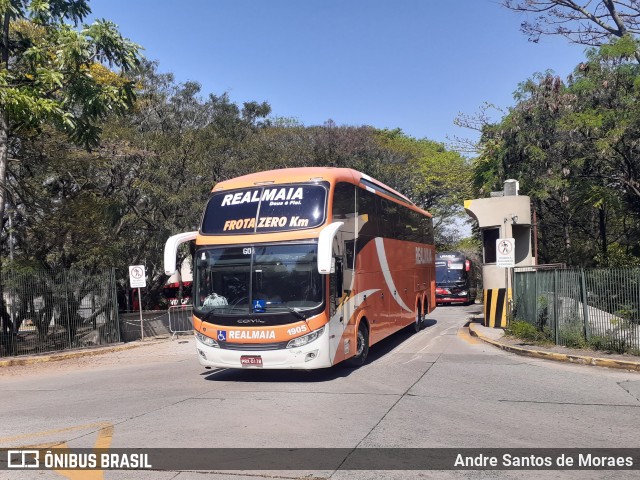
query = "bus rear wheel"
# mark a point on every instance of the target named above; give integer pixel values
(417, 324)
(362, 346)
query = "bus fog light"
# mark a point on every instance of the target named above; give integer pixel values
(208, 341)
(305, 339)
(311, 355)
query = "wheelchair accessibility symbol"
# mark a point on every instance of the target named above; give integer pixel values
(222, 336)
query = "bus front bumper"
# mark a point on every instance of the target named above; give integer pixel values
(310, 356)
(447, 299)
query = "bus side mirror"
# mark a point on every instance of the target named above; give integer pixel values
(171, 250)
(325, 246)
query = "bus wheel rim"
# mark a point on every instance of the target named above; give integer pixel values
(360, 344)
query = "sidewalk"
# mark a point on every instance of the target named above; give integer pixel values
(496, 337)
(66, 354)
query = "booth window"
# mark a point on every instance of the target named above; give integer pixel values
(489, 238)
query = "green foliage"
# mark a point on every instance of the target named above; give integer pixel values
(51, 77)
(617, 256)
(526, 331)
(55, 75)
(609, 345)
(573, 339)
(109, 157)
(572, 146)
(436, 179)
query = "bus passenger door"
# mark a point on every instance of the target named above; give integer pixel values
(342, 305)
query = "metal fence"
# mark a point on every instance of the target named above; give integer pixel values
(598, 307)
(180, 319)
(50, 310)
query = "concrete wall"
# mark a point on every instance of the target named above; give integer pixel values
(511, 216)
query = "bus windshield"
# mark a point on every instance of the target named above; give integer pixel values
(449, 273)
(256, 280)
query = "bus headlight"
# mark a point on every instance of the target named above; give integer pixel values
(305, 339)
(208, 341)
(463, 293)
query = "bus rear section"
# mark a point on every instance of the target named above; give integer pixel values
(455, 279)
(289, 274)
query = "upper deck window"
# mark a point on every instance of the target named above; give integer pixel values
(265, 209)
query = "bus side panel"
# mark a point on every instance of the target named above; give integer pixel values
(410, 275)
(369, 279)
(432, 296)
(399, 271)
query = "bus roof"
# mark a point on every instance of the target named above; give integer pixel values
(307, 174)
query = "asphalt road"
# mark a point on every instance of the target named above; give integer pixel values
(435, 389)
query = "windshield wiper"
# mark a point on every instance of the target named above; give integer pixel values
(295, 311)
(208, 314)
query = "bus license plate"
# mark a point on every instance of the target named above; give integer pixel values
(251, 360)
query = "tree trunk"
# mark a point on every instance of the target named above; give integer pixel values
(4, 155)
(603, 234)
(4, 119)
(4, 145)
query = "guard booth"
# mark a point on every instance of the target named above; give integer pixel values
(504, 216)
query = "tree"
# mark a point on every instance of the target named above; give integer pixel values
(436, 179)
(573, 146)
(585, 22)
(53, 73)
(162, 159)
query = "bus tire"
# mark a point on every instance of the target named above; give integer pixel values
(362, 346)
(419, 321)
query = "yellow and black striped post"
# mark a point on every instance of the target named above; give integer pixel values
(495, 307)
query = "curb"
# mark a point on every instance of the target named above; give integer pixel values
(559, 357)
(56, 357)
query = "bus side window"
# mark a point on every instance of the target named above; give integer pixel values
(426, 230)
(367, 208)
(344, 201)
(390, 218)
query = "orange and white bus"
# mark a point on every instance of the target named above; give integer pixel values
(306, 267)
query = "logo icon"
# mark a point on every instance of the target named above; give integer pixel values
(21, 458)
(222, 336)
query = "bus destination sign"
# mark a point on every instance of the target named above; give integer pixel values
(265, 209)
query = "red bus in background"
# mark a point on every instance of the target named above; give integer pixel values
(171, 293)
(455, 279)
(304, 268)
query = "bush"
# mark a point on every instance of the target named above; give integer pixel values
(526, 331)
(609, 345)
(573, 339)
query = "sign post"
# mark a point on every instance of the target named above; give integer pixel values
(506, 258)
(138, 279)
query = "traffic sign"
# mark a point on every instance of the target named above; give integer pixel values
(137, 276)
(505, 252)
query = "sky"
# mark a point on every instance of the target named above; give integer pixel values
(408, 64)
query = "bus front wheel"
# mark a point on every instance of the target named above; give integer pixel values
(362, 346)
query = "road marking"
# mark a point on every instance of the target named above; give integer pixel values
(463, 333)
(105, 435)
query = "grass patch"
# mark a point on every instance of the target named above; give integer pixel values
(526, 331)
(609, 345)
(573, 339)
